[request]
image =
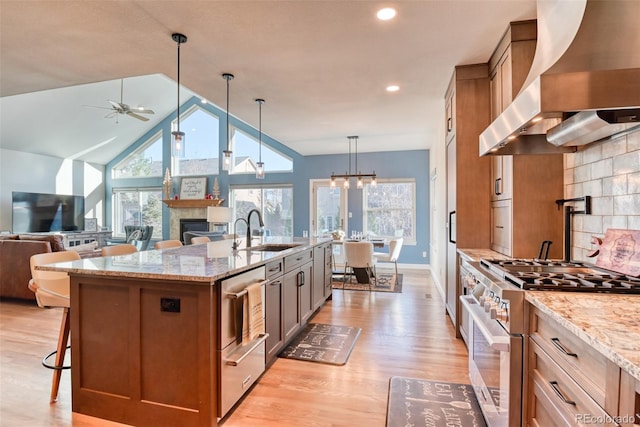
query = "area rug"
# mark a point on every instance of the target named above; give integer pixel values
(418, 403)
(322, 343)
(386, 283)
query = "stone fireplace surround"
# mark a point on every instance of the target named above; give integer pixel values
(176, 214)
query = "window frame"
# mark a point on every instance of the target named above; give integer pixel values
(261, 188)
(410, 240)
(176, 160)
(232, 146)
(117, 233)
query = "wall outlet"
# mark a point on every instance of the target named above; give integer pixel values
(424, 254)
(350, 214)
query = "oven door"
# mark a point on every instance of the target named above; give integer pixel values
(495, 367)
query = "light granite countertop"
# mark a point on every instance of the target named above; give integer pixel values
(204, 263)
(610, 323)
(474, 255)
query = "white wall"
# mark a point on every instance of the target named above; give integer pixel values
(35, 173)
(609, 172)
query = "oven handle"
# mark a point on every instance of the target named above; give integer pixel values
(497, 342)
(236, 362)
(236, 295)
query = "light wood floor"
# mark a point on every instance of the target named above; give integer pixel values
(405, 334)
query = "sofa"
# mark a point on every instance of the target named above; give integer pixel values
(15, 255)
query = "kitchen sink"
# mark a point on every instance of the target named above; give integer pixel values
(273, 247)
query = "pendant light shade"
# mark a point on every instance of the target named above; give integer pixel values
(178, 137)
(260, 164)
(359, 175)
(226, 159)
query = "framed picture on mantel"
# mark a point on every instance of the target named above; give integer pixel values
(193, 188)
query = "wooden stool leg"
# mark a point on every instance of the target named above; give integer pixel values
(61, 351)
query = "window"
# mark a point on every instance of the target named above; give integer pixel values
(137, 207)
(201, 148)
(144, 162)
(389, 209)
(274, 203)
(246, 152)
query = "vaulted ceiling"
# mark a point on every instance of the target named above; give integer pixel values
(322, 67)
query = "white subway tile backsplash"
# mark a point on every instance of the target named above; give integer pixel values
(593, 188)
(614, 147)
(610, 173)
(582, 173)
(633, 142)
(592, 224)
(633, 182)
(602, 168)
(619, 185)
(627, 163)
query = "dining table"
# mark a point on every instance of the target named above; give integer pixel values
(339, 260)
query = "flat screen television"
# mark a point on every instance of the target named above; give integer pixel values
(39, 212)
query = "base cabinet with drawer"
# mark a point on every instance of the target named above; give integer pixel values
(297, 306)
(569, 383)
(274, 301)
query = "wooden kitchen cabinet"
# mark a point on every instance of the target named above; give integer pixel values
(297, 280)
(629, 401)
(501, 177)
(567, 379)
(321, 274)
(467, 174)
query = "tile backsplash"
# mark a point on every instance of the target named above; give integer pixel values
(609, 172)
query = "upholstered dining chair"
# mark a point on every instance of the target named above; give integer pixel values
(359, 255)
(199, 240)
(52, 289)
(123, 249)
(166, 244)
(395, 245)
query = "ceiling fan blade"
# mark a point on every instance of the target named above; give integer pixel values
(95, 106)
(136, 116)
(111, 114)
(143, 111)
(117, 105)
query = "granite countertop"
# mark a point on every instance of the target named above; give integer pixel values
(610, 323)
(204, 263)
(473, 255)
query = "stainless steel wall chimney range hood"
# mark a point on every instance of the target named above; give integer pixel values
(586, 71)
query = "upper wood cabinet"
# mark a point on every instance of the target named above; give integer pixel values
(510, 63)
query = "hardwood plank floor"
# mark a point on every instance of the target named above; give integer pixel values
(405, 334)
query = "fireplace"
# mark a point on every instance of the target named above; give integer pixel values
(192, 224)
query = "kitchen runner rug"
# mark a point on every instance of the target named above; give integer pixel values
(418, 403)
(386, 283)
(322, 343)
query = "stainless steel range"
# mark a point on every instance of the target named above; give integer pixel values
(494, 310)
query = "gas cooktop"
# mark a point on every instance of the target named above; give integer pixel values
(558, 275)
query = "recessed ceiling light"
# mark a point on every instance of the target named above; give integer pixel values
(386, 13)
(393, 88)
(203, 101)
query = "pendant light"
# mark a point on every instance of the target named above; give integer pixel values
(359, 175)
(178, 137)
(226, 160)
(260, 164)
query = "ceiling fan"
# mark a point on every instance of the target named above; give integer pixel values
(118, 108)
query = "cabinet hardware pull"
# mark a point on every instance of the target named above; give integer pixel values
(499, 226)
(556, 343)
(554, 386)
(449, 124)
(498, 185)
(275, 282)
(451, 214)
(274, 269)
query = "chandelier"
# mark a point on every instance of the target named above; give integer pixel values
(348, 175)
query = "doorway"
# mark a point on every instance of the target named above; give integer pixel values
(328, 207)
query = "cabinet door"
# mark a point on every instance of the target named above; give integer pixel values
(317, 285)
(305, 280)
(501, 226)
(501, 177)
(496, 94)
(505, 69)
(450, 114)
(290, 313)
(328, 270)
(274, 297)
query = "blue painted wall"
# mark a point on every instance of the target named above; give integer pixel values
(394, 164)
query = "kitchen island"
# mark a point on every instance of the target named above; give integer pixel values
(146, 328)
(594, 342)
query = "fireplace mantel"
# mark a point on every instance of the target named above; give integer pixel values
(192, 203)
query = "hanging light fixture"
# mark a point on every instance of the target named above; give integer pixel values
(226, 161)
(260, 164)
(359, 175)
(178, 137)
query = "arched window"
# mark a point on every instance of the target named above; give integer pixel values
(201, 148)
(146, 161)
(246, 152)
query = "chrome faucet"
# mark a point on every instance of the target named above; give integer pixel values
(248, 221)
(235, 228)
